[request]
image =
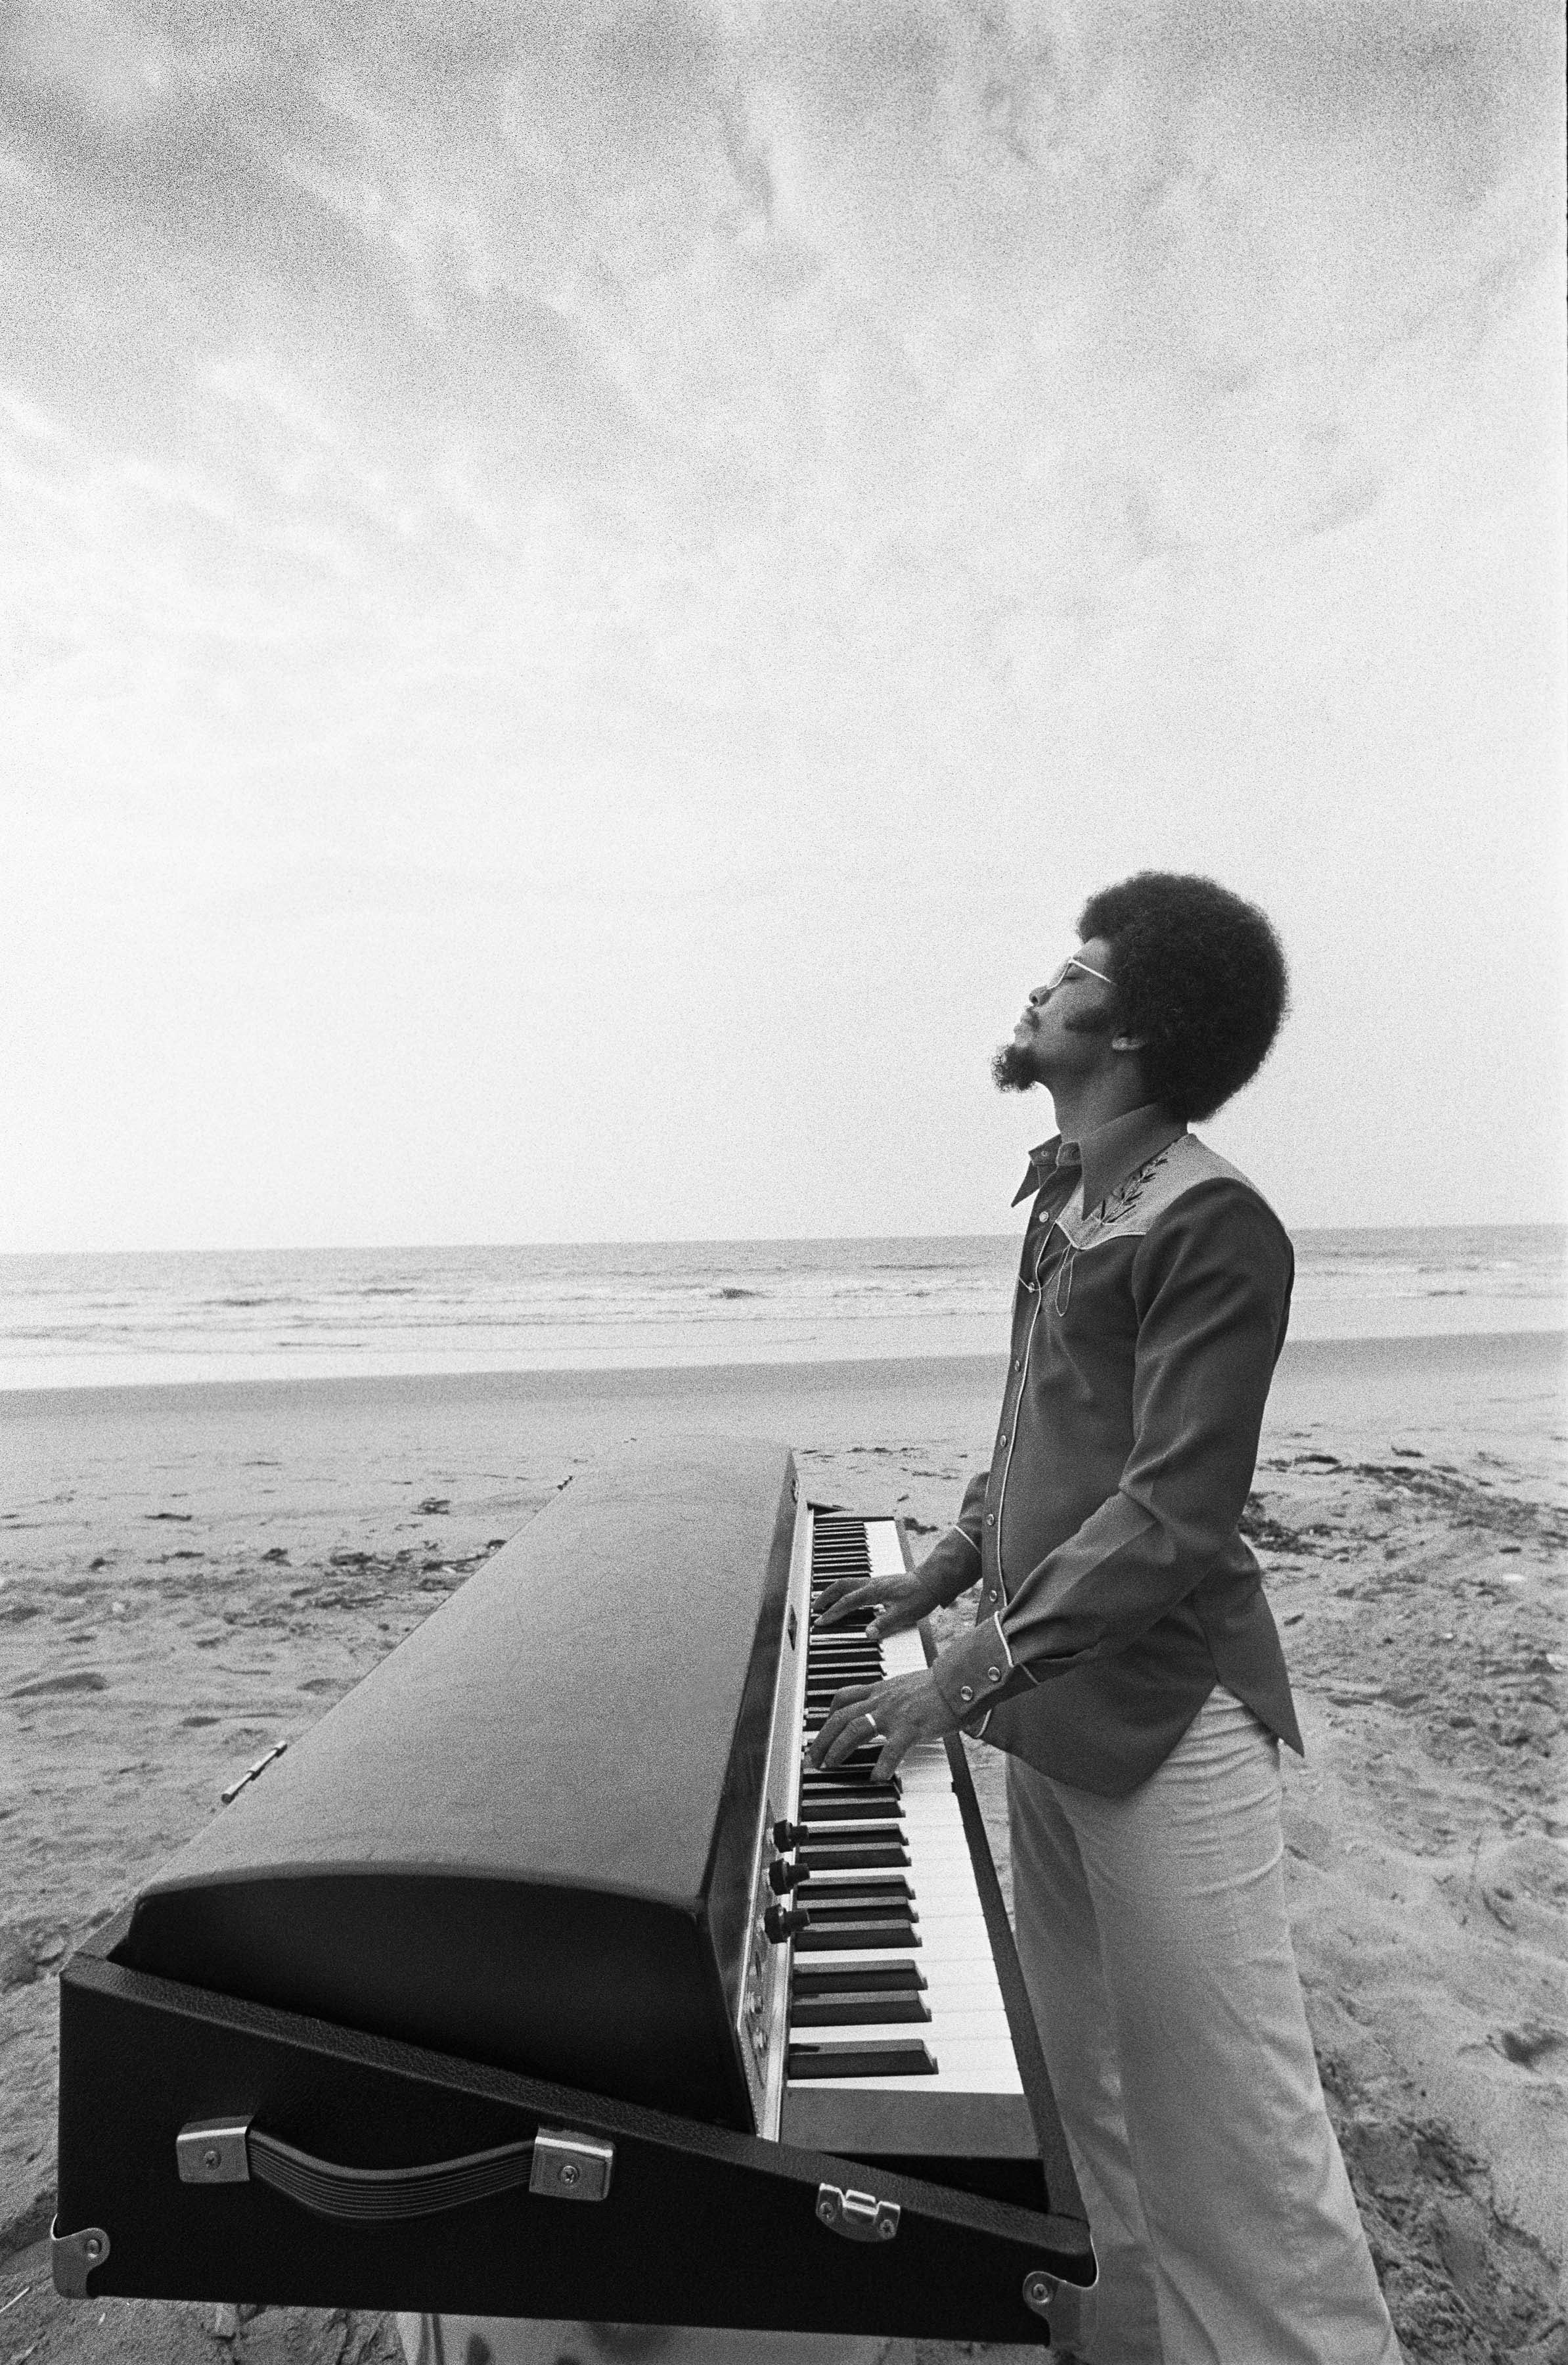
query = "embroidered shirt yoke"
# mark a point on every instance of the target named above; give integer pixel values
(1115, 1589)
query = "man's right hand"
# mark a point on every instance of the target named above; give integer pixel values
(904, 1603)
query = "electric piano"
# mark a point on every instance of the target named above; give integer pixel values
(544, 1978)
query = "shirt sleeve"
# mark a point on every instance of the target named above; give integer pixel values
(1211, 1286)
(953, 1564)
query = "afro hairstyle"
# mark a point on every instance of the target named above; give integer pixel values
(1200, 977)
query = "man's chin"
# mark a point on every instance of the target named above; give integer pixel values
(1012, 1070)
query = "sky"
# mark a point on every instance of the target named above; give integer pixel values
(587, 590)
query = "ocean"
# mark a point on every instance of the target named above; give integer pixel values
(93, 1321)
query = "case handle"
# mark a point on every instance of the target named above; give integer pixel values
(556, 2163)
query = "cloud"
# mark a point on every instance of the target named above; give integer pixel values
(746, 355)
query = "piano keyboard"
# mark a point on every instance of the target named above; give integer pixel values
(898, 2039)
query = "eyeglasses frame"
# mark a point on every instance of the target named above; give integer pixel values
(1073, 961)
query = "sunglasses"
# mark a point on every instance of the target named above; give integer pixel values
(1072, 962)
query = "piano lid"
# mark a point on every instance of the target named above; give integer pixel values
(538, 1810)
(567, 1716)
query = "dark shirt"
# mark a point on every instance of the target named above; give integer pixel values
(1116, 1589)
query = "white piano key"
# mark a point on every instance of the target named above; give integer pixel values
(883, 1549)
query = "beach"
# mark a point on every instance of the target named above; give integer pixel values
(194, 1573)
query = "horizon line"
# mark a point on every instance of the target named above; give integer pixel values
(704, 1240)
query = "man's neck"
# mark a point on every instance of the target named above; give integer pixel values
(1083, 1106)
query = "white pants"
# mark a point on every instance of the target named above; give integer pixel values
(1154, 1941)
(511, 2340)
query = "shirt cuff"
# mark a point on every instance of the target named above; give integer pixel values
(977, 1671)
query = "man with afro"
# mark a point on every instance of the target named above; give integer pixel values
(1125, 1657)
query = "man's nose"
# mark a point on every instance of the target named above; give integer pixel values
(1038, 993)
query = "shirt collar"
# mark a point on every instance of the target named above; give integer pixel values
(1107, 1156)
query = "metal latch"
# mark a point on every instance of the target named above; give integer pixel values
(74, 2256)
(212, 2151)
(570, 2167)
(1040, 2290)
(860, 2217)
(260, 1766)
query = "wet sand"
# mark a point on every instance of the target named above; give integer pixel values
(190, 1574)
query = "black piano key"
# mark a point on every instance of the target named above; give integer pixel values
(858, 2007)
(859, 1798)
(838, 1937)
(835, 1807)
(834, 1838)
(890, 2056)
(869, 1857)
(866, 1909)
(832, 1978)
(844, 1776)
(883, 1884)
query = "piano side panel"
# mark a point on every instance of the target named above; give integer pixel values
(731, 1884)
(763, 2021)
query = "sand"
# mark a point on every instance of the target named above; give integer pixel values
(191, 1575)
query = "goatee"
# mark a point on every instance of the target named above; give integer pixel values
(1012, 1068)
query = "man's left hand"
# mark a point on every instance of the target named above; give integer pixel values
(897, 1712)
